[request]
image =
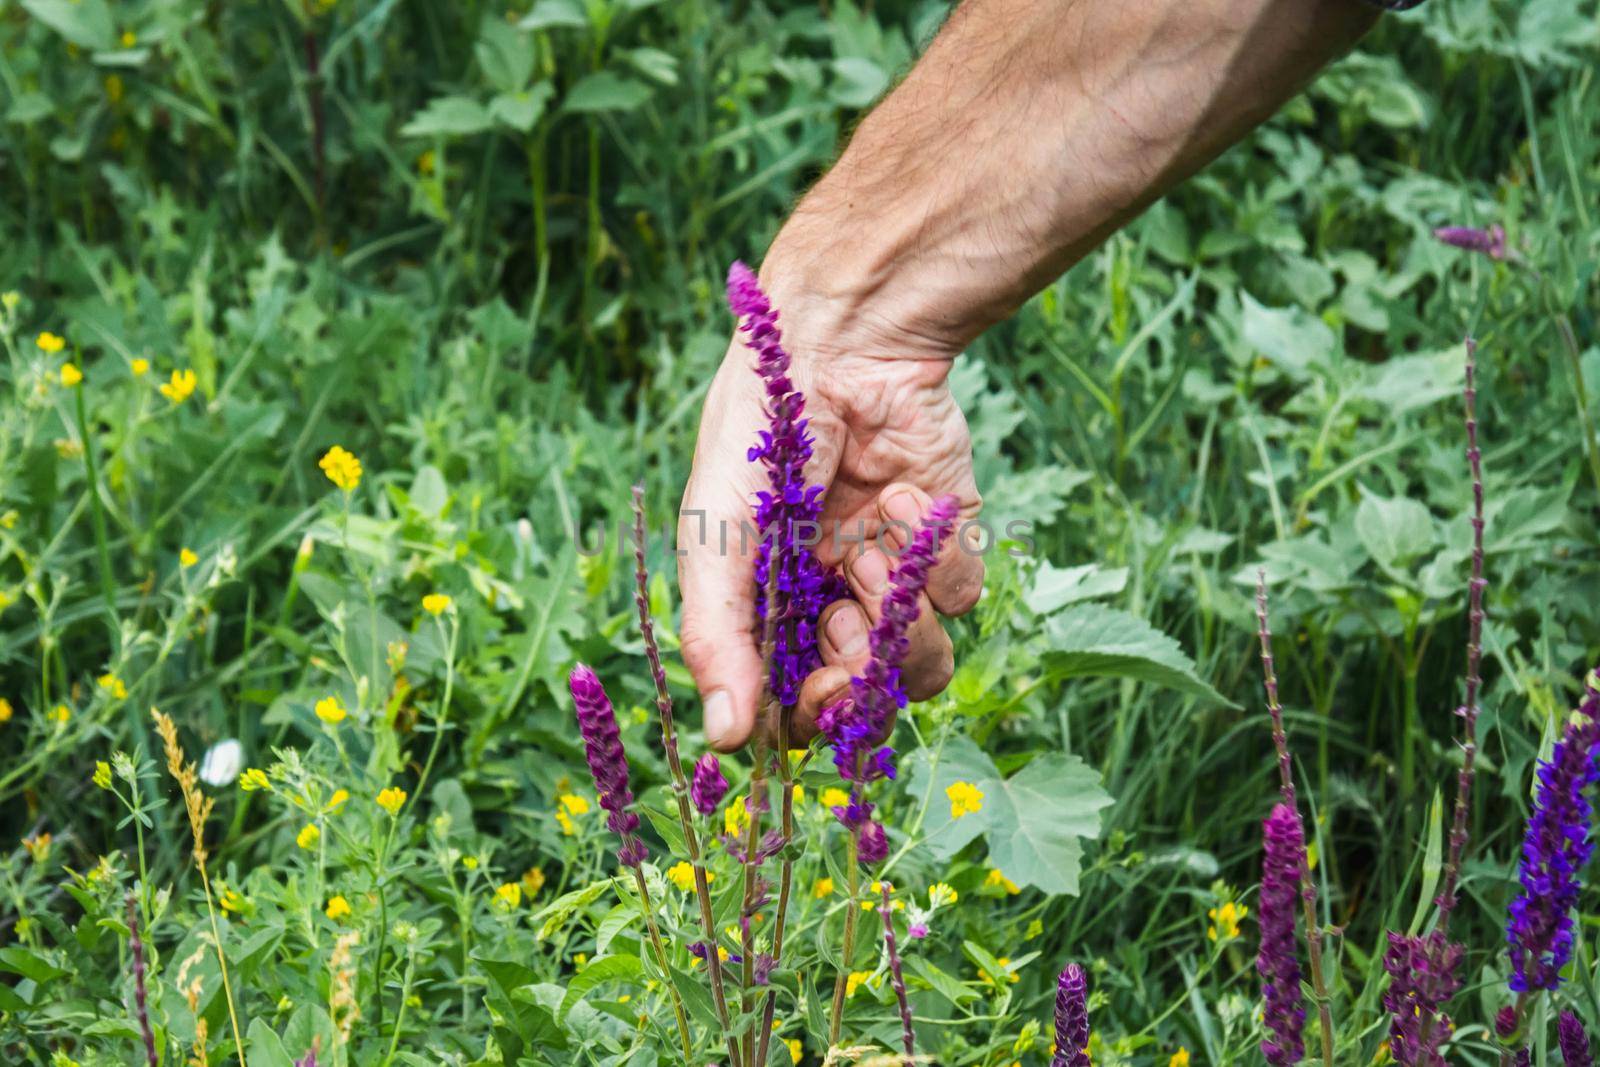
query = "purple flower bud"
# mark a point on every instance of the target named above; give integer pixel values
(1574, 1042)
(761, 972)
(1490, 242)
(1555, 848)
(709, 786)
(1422, 979)
(1278, 961)
(872, 844)
(608, 764)
(1072, 1018)
(1505, 1022)
(917, 931)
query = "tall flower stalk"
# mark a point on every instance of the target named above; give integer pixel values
(705, 786)
(1072, 1018)
(141, 1005)
(908, 1037)
(608, 766)
(1308, 886)
(1574, 1042)
(856, 727)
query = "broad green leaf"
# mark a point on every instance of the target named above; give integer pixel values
(1055, 801)
(552, 14)
(940, 982)
(86, 23)
(448, 116)
(1092, 640)
(958, 761)
(1393, 531)
(504, 55)
(1292, 339)
(29, 964)
(558, 912)
(857, 81)
(606, 969)
(266, 1047)
(522, 109)
(1055, 587)
(605, 91)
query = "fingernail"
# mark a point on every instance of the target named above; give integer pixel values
(718, 716)
(903, 512)
(871, 570)
(847, 632)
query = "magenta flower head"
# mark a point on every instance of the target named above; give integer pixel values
(1555, 849)
(608, 764)
(709, 786)
(1278, 960)
(787, 510)
(856, 725)
(872, 843)
(1490, 242)
(1072, 1018)
(1422, 979)
(1574, 1042)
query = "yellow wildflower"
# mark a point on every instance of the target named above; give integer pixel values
(102, 774)
(129, 38)
(508, 896)
(1180, 1058)
(1005, 962)
(997, 878)
(940, 894)
(426, 162)
(342, 468)
(436, 603)
(179, 386)
(308, 836)
(331, 710)
(187, 558)
(338, 908)
(254, 778)
(113, 685)
(682, 876)
(140, 367)
(337, 801)
(70, 374)
(823, 888)
(795, 1050)
(59, 714)
(5, 710)
(853, 981)
(230, 900)
(965, 799)
(799, 794)
(50, 343)
(38, 846)
(532, 881)
(392, 799)
(469, 862)
(835, 798)
(736, 817)
(1225, 921)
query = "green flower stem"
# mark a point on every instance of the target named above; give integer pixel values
(661, 958)
(97, 507)
(785, 879)
(444, 705)
(847, 953)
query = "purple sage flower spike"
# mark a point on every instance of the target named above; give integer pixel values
(608, 763)
(1072, 1018)
(855, 726)
(1278, 960)
(1422, 979)
(788, 509)
(1490, 242)
(1574, 1041)
(872, 844)
(1555, 849)
(709, 786)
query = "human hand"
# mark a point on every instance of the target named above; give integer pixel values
(889, 438)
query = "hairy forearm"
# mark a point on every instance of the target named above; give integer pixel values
(1029, 132)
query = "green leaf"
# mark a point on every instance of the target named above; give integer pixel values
(1055, 801)
(448, 116)
(551, 14)
(940, 982)
(1292, 339)
(1432, 861)
(504, 55)
(1393, 531)
(521, 110)
(86, 23)
(266, 1048)
(1055, 587)
(605, 91)
(1092, 640)
(610, 968)
(558, 912)
(958, 761)
(29, 964)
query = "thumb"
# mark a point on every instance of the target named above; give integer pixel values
(715, 572)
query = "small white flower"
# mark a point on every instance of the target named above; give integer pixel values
(222, 762)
